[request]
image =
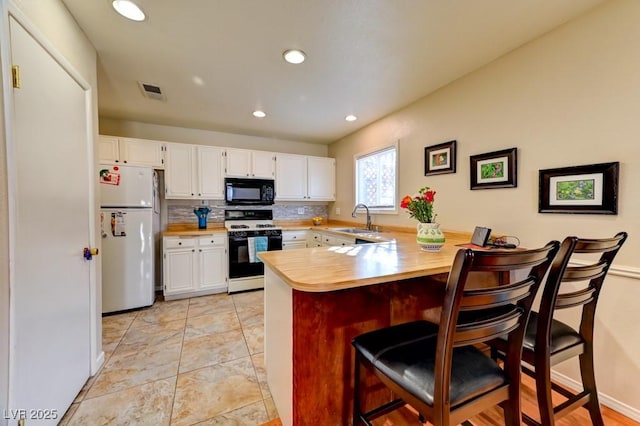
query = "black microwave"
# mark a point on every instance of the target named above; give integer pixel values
(241, 191)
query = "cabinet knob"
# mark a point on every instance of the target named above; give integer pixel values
(180, 243)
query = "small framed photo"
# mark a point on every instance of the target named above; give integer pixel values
(496, 169)
(590, 189)
(440, 159)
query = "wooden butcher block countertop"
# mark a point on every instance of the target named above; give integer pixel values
(323, 269)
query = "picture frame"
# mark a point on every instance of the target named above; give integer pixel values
(440, 159)
(587, 189)
(496, 169)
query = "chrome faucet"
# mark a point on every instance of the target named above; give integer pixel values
(355, 209)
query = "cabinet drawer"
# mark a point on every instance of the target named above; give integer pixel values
(294, 235)
(212, 240)
(179, 242)
(288, 245)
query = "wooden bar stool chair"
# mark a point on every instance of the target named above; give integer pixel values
(436, 368)
(549, 341)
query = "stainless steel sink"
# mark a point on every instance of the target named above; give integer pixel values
(355, 230)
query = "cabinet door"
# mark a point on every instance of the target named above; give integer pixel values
(314, 239)
(263, 165)
(178, 271)
(142, 152)
(291, 177)
(212, 267)
(238, 162)
(321, 180)
(290, 245)
(179, 171)
(108, 150)
(210, 178)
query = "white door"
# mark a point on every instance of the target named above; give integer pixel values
(50, 358)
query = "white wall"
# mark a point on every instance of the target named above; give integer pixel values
(134, 129)
(56, 24)
(569, 98)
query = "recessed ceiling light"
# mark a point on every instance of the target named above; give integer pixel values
(351, 117)
(294, 56)
(259, 114)
(129, 10)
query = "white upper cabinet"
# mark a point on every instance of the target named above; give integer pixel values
(194, 171)
(321, 178)
(304, 178)
(140, 152)
(210, 178)
(291, 177)
(247, 163)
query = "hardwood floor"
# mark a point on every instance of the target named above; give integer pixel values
(493, 417)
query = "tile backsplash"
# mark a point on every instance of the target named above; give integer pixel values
(181, 211)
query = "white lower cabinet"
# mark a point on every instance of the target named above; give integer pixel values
(314, 239)
(194, 265)
(328, 239)
(294, 239)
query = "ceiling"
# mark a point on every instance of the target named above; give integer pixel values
(217, 61)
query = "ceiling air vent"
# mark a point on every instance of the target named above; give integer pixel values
(151, 91)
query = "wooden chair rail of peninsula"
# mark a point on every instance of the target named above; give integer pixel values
(548, 341)
(438, 368)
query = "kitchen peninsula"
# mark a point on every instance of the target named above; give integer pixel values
(318, 299)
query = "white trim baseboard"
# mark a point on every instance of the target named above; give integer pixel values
(614, 404)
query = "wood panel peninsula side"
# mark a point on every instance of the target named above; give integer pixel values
(318, 299)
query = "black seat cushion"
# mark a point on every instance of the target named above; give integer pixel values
(406, 354)
(562, 336)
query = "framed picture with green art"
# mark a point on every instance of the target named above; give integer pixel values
(496, 169)
(440, 159)
(589, 189)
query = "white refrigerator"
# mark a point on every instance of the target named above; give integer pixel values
(129, 217)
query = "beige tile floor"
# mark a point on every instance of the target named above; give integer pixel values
(184, 362)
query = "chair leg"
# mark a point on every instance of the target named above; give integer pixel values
(543, 392)
(589, 384)
(356, 392)
(512, 407)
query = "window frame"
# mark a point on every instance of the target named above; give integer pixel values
(378, 210)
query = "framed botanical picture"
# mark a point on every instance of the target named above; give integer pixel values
(440, 159)
(496, 169)
(591, 189)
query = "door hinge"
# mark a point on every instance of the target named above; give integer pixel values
(15, 74)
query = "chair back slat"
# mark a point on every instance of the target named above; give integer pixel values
(488, 328)
(493, 297)
(575, 298)
(586, 272)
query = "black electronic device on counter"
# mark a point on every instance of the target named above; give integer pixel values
(480, 236)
